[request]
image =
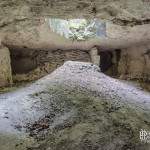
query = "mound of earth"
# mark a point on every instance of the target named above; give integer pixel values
(76, 107)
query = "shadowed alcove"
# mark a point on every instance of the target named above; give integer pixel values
(22, 61)
(109, 62)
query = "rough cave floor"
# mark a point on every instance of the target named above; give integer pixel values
(43, 106)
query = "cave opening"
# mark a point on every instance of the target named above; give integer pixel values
(109, 62)
(105, 60)
(22, 61)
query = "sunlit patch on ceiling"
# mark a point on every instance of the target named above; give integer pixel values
(78, 29)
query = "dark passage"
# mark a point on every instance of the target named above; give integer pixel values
(22, 61)
(105, 60)
(109, 62)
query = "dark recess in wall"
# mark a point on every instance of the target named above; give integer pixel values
(21, 62)
(109, 62)
(105, 60)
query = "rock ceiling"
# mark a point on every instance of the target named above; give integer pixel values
(119, 11)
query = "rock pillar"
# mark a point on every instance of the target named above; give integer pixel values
(95, 58)
(5, 67)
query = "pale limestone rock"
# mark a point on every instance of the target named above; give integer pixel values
(95, 58)
(5, 67)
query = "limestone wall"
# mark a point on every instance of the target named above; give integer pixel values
(5, 67)
(44, 62)
(135, 63)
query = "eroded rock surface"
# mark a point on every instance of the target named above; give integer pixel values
(39, 51)
(23, 27)
(120, 11)
(5, 67)
(30, 65)
(132, 62)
